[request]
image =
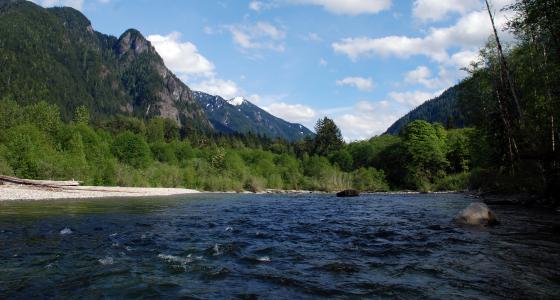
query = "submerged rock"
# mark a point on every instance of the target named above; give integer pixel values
(477, 214)
(348, 193)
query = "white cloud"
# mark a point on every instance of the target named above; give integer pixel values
(184, 59)
(255, 98)
(363, 84)
(256, 5)
(227, 89)
(181, 57)
(77, 4)
(422, 75)
(469, 33)
(414, 98)
(349, 7)
(436, 10)
(259, 6)
(367, 119)
(296, 113)
(419, 75)
(261, 35)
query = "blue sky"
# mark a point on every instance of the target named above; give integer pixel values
(364, 63)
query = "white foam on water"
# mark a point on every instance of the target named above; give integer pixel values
(229, 228)
(217, 250)
(264, 259)
(66, 231)
(172, 259)
(106, 261)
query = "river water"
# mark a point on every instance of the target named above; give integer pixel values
(274, 247)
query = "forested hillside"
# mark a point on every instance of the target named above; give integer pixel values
(442, 109)
(55, 55)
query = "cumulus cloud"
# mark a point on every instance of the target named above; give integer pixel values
(261, 35)
(436, 10)
(77, 4)
(181, 57)
(366, 119)
(227, 89)
(296, 113)
(363, 84)
(349, 7)
(413, 99)
(469, 33)
(184, 59)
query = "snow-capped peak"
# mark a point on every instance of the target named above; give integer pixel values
(236, 101)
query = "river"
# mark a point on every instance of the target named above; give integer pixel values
(275, 247)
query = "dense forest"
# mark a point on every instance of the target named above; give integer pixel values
(511, 98)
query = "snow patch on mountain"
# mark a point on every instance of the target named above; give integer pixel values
(237, 101)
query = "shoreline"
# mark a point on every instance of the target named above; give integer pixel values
(15, 192)
(30, 193)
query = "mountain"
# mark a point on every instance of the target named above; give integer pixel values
(443, 109)
(241, 116)
(55, 55)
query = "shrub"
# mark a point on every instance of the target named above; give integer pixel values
(132, 149)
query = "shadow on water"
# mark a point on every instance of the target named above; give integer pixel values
(283, 247)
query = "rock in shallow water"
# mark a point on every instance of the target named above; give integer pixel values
(477, 214)
(348, 193)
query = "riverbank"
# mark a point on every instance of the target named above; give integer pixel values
(25, 192)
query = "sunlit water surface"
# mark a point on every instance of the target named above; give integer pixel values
(280, 247)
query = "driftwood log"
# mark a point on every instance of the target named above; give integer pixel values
(39, 183)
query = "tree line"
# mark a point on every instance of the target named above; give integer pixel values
(122, 150)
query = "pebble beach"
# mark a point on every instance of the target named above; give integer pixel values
(24, 192)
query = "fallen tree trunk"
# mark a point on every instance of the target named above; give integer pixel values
(41, 183)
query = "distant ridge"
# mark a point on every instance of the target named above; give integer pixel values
(443, 109)
(238, 115)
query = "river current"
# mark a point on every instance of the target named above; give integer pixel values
(275, 247)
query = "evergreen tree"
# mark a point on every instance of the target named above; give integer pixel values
(328, 139)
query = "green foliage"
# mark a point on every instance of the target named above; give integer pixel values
(515, 142)
(117, 152)
(453, 182)
(370, 180)
(328, 139)
(342, 159)
(132, 149)
(81, 116)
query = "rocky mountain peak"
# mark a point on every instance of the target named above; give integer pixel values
(133, 42)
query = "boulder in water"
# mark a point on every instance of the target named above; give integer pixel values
(477, 214)
(348, 193)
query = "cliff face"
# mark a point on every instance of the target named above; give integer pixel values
(55, 55)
